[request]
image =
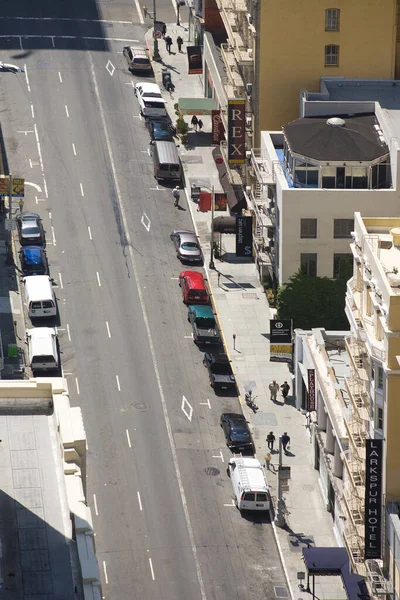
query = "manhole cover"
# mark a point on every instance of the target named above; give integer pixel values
(212, 471)
(140, 406)
(281, 592)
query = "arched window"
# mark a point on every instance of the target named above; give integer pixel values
(331, 56)
(332, 19)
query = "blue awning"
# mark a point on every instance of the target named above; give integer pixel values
(335, 561)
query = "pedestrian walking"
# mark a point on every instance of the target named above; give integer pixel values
(21, 205)
(285, 387)
(145, 11)
(164, 30)
(176, 194)
(179, 42)
(200, 124)
(270, 440)
(274, 389)
(168, 43)
(268, 459)
(285, 442)
(194, 122)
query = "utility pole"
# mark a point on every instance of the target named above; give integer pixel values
(9, 255)
(280, 513)
(156, 53)
(212, 265)
(178, 6)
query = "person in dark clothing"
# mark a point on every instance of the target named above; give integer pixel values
(168, 43)
(179, 42)
(194, 122)
(270, 440)
(285, 442)
(164, 29)
(285, 387)
(200, 124)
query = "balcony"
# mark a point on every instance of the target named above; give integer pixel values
(359, 399)
(358, 357)
(228, 56)
(263, 175)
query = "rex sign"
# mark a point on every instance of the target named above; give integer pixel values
(236, 131)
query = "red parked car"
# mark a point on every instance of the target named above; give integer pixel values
(194, 289)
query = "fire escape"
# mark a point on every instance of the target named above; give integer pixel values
(238, 58)
(357, 426)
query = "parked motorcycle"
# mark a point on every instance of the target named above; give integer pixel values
(250, 401)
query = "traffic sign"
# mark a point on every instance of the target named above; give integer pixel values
(10, 224)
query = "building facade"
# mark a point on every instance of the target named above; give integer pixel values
(373, 311)
(310, 178)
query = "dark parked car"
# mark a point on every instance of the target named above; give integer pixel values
(187, 246)
(30, 229)
(204, 325)
(33, 260)
(220, 372)
(160, 130)
(237, 433)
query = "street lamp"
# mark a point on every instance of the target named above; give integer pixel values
(211, 264)
(156, 53)
(280, 513)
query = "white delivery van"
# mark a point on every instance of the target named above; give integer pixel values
(42, 348)
(249, 484)
(39, 296)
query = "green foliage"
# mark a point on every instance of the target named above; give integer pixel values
(314, 301)
(181, 126)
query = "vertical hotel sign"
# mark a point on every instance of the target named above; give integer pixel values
(311, 390)
(373, 498)
(236, 131)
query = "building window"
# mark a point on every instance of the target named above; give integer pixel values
(332, 16)
(342, 228)
(331, 56)
(379, 379)
(308, 228)
(342, 266)
(379, 419)
(308, 264)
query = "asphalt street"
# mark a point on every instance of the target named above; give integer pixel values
(162, 503)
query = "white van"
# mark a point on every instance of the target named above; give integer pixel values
(39, 296)
(249, 484)
(42, 348)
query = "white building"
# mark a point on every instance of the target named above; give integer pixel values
(323, 353)
(338, 158)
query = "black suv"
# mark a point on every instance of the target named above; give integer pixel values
(220, 372)
(237, 433)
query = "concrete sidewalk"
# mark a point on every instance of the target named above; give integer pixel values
(243, 310)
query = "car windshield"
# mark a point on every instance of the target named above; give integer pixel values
(205, 323)
(152, 95)
(239, 432)
(190, 246)
(153, 104)
(221, 369)
(142, 61)
(32, 257)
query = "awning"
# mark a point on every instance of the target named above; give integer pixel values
(197, 106)
(224, 225)
(335, 561)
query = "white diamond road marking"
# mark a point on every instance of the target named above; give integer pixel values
(110, 68)
(145, 221)
(187, 408)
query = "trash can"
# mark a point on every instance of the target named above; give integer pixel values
(195, 192)
(166, 78)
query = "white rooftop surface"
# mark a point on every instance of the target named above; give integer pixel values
(35, 558)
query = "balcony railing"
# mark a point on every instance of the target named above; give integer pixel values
(234, 176)
(263, 174)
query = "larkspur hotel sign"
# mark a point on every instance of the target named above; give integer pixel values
(373, 498)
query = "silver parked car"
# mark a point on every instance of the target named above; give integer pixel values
(187, 246)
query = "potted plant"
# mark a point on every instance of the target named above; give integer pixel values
(182, 129)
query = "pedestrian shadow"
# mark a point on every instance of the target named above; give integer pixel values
(170, 67)
(179, 207)
(289, 453)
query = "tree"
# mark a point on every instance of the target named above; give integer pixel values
(313, 301)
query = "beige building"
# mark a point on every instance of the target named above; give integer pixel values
(373, 310)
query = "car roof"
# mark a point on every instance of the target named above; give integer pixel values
(220, 358)
(188, 236)
(202, 311)
(234, 416)
(195, 277)
(148, 87)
